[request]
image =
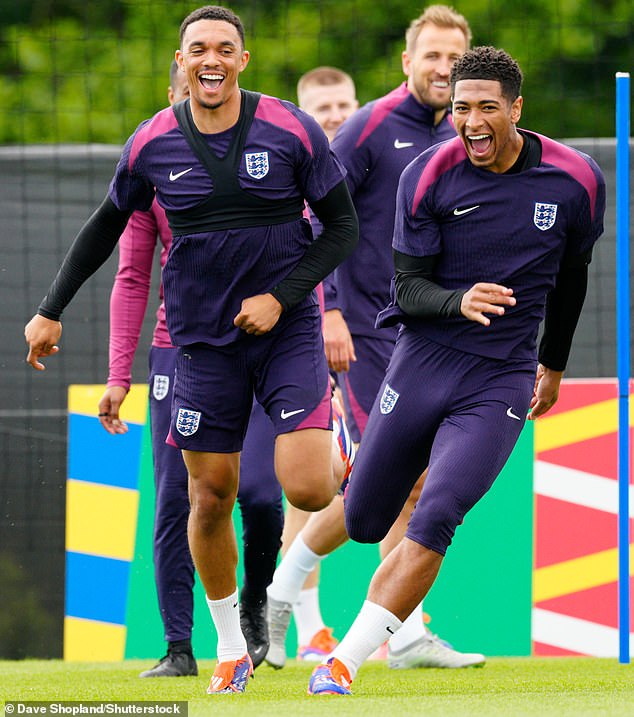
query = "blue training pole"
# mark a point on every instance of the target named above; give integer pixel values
(623, 351)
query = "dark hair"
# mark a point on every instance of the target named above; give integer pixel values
(213, 12)
(489, 63)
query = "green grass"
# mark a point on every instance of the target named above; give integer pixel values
(506, 687)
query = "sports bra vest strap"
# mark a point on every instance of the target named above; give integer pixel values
(229, 206)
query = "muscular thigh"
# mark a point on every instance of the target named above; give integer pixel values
(471, 446)
(213, 395)
(394, 449)
(292, 382)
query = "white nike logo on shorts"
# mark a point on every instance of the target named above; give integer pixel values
(401, 145)
(510, 414)
(287, 414)
(174, 177)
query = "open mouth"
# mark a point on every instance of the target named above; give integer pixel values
(480, 143)
(211, 81)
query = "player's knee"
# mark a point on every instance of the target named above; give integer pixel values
(365, 528)
(310, 498)
(209, 506)
(434, 527)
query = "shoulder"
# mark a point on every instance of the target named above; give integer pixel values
(373, 116)
(162, 122)
(578, 165)
(287, 117)
(430, 166)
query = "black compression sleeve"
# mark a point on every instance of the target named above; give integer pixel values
(337, 240)
(563, 308)
(417, 295)
(91, 248)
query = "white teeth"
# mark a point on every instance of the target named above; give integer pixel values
(477, 136)
(444, 85)
(212, 77)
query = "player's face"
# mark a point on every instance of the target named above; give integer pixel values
(330, 105)
(212, 58)
(486, 122)
(178, 90)
(429, 65)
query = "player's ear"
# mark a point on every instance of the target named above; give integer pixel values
(516, 109)
(406, 62)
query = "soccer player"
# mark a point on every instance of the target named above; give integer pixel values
(329, 95)
(494, 231)
(232, 169)
(259, 493)
(375, 145)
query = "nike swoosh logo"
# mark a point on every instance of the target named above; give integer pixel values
(389, 629)
(510, 414)
(458, 212)
(287, 414)
(174, 177)
(401, 145)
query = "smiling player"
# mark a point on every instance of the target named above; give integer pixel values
(233, 170)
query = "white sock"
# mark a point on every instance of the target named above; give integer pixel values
(307, 614)
(413, 629)
(226, 616)
(371, 627)
(292, 572)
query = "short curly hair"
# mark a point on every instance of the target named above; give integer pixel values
(213, 12)
(489, 63)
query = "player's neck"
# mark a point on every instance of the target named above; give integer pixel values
(211, 120)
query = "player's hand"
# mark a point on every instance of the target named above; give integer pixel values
(483, 298)
(546, 391)
(109, 407)
(337, 341)
(258, 314)
(41, 335)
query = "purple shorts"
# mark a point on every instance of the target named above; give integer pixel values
(362, 382)
(458, 413)
(285, 369)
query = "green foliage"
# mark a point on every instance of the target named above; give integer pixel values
(90, 72)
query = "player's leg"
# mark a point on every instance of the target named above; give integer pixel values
(324, 532)
(414, 645)
(260, 501)
(211, 407)
(173, 566)
(360, 385)
(469, 449)
(315, 640)
(293, 385)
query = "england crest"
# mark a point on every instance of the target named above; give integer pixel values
(545, 215)
(388, 399)
(160, 386)
(187, 421)
(257, 164)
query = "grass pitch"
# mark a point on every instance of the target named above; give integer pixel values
(506, 687)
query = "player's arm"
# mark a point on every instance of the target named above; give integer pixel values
(340, 235)
(336, 241)
(420, 297)
(563, 308)
(90, 249)
(128, 303)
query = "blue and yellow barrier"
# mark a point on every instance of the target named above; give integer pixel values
(102, 500)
